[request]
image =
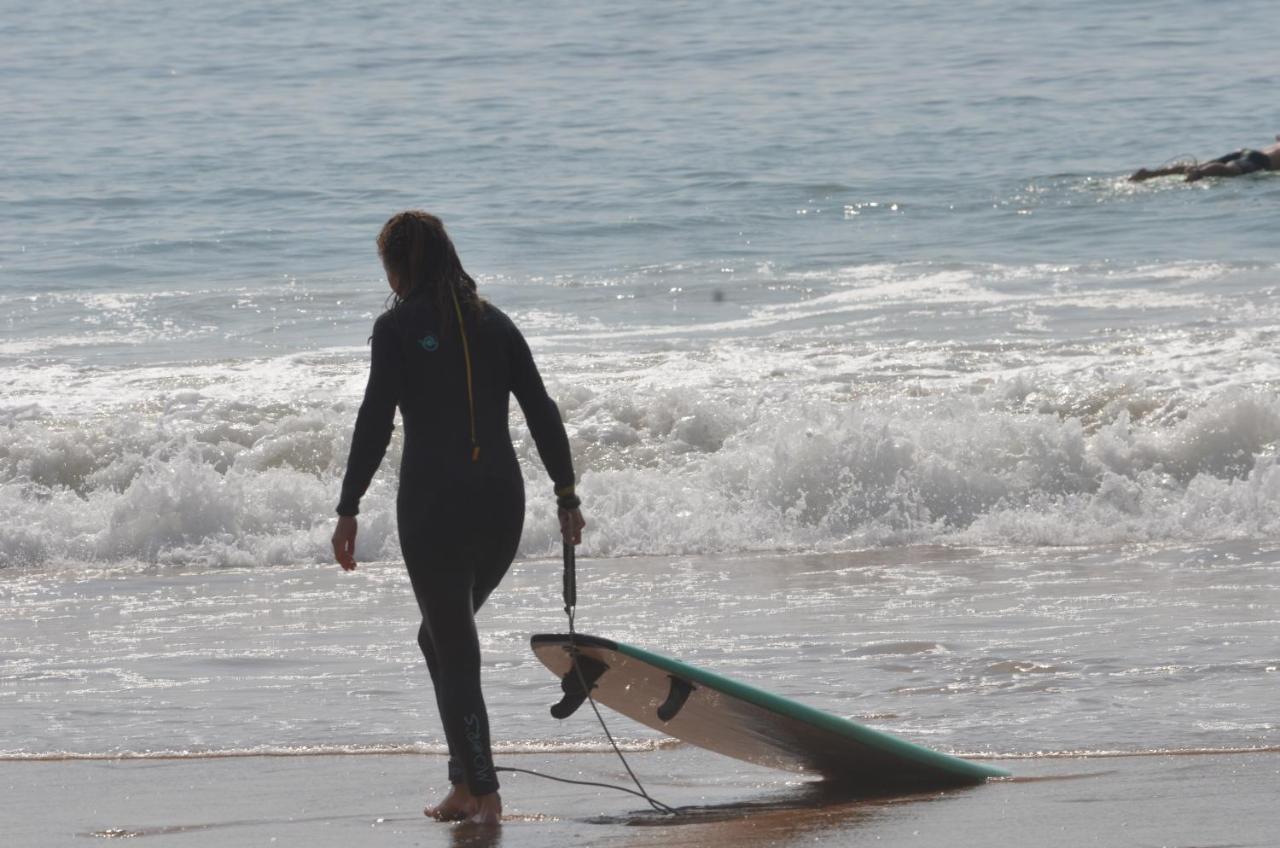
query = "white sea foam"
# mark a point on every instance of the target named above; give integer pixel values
(731, 447)
(854, 406)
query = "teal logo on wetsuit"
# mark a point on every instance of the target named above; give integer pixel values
(429, 343)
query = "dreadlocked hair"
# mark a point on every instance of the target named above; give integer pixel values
(417, 252)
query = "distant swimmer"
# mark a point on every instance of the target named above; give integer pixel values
(450, 360)
(1237, 164)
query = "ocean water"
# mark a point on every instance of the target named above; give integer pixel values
(885, 388)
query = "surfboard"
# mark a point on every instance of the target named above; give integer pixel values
(741, 721)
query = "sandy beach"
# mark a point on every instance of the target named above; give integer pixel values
(1222, 799)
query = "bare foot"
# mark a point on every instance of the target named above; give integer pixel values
(456, 806)
(488, 809)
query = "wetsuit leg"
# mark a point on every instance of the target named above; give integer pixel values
(451, 582)
(428, 652)
(443, 602)
(448, 602)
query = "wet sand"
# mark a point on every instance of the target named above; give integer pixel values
(1183, 800)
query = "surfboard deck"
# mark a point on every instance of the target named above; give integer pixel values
(741, 721)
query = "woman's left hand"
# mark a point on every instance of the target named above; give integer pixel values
(344, 542)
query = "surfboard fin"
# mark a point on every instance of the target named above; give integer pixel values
(676, 696)
(572, 684)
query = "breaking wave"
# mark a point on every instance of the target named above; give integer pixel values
(721, 463)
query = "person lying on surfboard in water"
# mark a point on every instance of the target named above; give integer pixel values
(1239, 163)
(450, 361)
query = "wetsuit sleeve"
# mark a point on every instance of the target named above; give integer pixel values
(542, 415)
(375, 420)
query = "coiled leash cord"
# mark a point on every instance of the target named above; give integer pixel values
(657, 804)
(570, 607)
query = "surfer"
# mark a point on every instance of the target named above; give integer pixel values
(1235, 164)
(450, 360)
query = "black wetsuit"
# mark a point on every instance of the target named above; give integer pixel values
(1246, 160)
(460, 506)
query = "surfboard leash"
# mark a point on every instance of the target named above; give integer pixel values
(581, 783)
(570, 609)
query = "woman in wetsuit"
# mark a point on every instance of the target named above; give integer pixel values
(450, 360)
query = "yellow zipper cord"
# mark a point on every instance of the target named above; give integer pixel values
(466, 356)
